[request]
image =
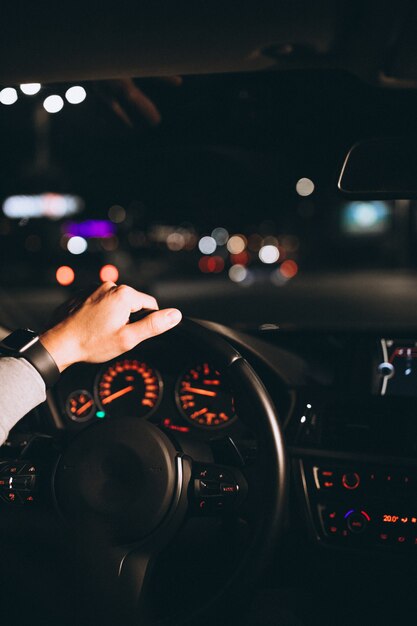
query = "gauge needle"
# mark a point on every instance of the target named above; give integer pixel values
(117, 394)
(202, 392)
(197, 413)
(84, 407)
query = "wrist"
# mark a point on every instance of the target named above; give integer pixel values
(63, 349)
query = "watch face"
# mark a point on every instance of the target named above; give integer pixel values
(18, 340)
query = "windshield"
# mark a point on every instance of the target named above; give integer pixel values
(226, 178)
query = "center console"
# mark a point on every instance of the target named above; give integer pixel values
(358, 504)
(355, 453)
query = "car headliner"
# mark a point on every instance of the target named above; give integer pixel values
(51, 42)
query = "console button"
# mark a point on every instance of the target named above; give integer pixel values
(357, 521)
(384, 538)
(351, 480)
(325, 478)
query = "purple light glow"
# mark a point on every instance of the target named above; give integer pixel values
(90, 229)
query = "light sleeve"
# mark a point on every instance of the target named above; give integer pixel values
(21, 389)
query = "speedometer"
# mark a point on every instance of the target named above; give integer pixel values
(204, 398)
(128, 388)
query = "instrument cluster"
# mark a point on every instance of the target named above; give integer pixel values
(192, 394)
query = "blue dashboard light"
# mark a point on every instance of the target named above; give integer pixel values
(348, 513)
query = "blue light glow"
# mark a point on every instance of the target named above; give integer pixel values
(366, 218)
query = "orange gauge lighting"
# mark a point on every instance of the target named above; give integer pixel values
(204, 398)
(80, 405)
(128, 388)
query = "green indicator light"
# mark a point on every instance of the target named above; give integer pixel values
(100, 414)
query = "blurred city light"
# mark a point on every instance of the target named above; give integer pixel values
(110, 244)
(51, 205)
(211, 264)
(30, 89)
(207, 245)
(269, 254)
(366, 218)
(220, 235)
(236, 244)
(65, 275)
(109, 273)
(289, 269)
(238, 273)
(304, 187)
(90, 229)
(8, 95)
(77, 245)
(240, 259)
(76, 94)
(291, 243)
(175, 242)
(117, 214)
(53, 104)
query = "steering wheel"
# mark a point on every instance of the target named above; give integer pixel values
(126, 488)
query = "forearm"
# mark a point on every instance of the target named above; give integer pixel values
(22, 389)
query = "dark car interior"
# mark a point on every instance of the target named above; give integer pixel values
(253, 164)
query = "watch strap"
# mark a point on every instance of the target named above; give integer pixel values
(24, 343)
(39, 357)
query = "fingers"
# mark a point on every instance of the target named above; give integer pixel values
(140, 101)
(154, 324)
(136, 300)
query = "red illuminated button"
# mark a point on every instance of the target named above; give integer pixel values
(325, 478)
(351, 480)
(229, 489)
(401, 539)
(12, 497)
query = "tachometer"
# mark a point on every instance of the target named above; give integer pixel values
(128, 388)
(204, 398)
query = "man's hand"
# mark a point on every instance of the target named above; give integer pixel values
(99, 330)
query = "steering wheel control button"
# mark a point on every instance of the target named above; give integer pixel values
(351, 480)
(17, 482)
(12, 497)
(229, 489)
(217, 489)
(207, 487)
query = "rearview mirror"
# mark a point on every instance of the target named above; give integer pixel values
(381, 168)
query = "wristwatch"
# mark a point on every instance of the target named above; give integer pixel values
(24, 343)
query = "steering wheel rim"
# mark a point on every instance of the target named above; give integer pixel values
(273, 467)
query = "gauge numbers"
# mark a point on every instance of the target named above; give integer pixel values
(128, 388)
(204, 398)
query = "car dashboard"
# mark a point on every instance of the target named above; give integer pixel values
(347, 402)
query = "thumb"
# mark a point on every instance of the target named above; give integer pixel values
(154, 324)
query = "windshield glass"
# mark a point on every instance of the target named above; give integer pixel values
(226, 178)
